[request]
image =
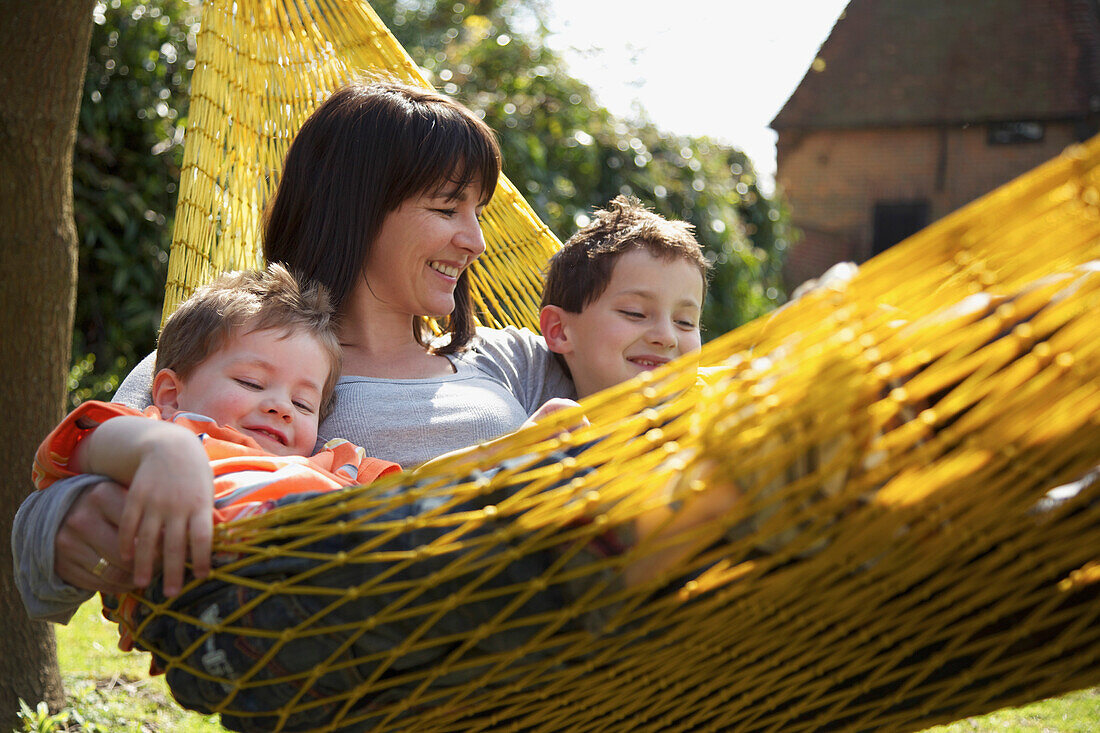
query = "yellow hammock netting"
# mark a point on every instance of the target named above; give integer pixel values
(898, 558)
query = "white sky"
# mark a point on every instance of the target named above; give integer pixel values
(722, 68)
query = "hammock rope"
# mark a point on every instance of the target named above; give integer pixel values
(897, 560)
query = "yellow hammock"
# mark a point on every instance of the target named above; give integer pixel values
(898, 560)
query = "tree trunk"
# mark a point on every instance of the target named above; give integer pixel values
(43, 53)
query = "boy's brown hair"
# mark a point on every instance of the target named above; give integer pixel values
(580, 271)
(243, 302)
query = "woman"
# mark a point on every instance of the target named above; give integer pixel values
(379, 200)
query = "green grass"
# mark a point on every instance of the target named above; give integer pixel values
(109, 691)
(1078, 712)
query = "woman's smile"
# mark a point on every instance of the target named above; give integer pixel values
(449, 270)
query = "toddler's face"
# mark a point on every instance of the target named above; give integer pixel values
(647, 316)
(265, 384)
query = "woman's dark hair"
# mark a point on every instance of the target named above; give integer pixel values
(364, 151)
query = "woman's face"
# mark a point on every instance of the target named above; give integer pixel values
(422, 248)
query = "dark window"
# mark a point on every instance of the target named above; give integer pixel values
(896, 221)
(1009, 133)
(1085, 129)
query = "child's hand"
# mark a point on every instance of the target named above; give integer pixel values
(556, 404)
(169, 508)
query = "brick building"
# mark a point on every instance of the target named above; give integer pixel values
(916, 107)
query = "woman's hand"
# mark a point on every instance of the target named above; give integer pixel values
(88, 538)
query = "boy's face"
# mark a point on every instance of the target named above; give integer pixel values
(647, 316)
(265, 384)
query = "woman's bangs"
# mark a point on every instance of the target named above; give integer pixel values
(465, 156)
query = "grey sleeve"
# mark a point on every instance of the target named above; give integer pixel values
(522, 360)
(46, 596)
(136, 390)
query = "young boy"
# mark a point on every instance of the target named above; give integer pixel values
(624, 296)
(249, 364)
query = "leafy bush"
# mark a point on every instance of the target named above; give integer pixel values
(125, 175)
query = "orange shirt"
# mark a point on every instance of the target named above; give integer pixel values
(246, 479)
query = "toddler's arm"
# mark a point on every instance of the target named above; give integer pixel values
(171, 496)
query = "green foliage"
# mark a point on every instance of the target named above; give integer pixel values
(565, 152)
(40, 720)
(119, 705)
(125, 175)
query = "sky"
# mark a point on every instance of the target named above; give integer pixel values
(722, 68)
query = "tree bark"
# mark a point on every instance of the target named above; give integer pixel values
(43, 54)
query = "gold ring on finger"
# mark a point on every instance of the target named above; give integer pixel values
(100, 567)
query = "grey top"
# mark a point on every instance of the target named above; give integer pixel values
(503, 378)
(498, 383)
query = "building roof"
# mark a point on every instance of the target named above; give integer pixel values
(906, 62)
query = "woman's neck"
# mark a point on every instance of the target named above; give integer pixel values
(380, 343)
